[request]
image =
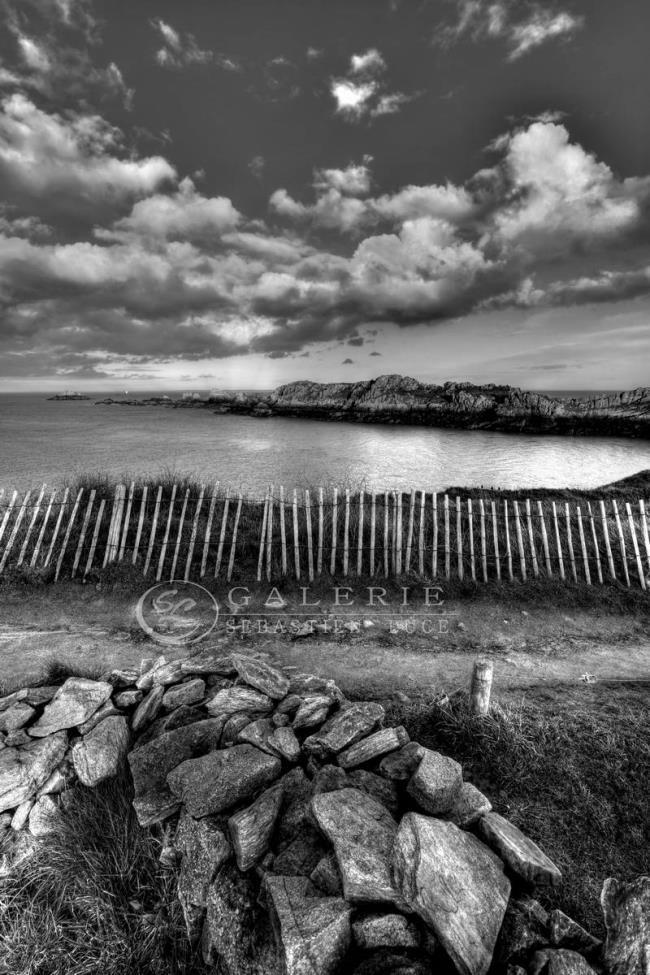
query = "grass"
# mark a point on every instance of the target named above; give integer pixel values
(93, 899)
(574, 776)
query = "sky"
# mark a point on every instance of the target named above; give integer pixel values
(251, 192)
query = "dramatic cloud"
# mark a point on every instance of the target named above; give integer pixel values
(363, 91)
(180, 50)
(522, 27)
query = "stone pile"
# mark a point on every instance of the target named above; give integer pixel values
(293, 810)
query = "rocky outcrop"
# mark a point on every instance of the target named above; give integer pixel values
(308, 838)
(400, 399)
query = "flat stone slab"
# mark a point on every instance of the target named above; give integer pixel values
(312, 711)
(209, 661)
(232, 700)
(399, 766)
(346, 727)
(385, 931)
(379, 743)
(151, 763)
(517, 851)
(626, 912)
(560, 961)
(100, 754)
(436, 782)
(260, 675)
(73, 703)
(251, 828)
(455, 884)
(309, 684)
(470, 804)
(16, 716)
(24, 770)
(147, 709)
(221, 779)
(257, 733)
(188, 693)
(44, 816)
(362, 832)
(312, 933)
(283, 742)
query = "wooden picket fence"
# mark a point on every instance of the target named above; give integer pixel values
(174, 532)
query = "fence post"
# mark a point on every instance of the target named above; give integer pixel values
(569, 538)
(14, 531)
(222, 533)
(319, 554)
(508, 548)
(269, 536)
(41, 534)
(283, 532)
(335, 512)
(234, 537)
(459, 539)
(296, 537)
(386, 551)
(208, 529)
(608, 546)
(163, 551)
(195, 528)
(594, 536)
(31, 526)
(421, 534)
(434, 540)
(481, 687)
(635, 544)
(470, 522)
(583, 546)
(360, 535)
(138, 534)
(531, 539)
(495, 533)
(447, 546)
(127, 518)
(346, 532)
(152, 533)
(373, 525)
(520, 542)
(310, 542)
(481, 507)
(621, 539)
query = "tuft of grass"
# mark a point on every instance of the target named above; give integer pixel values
(573, 774)
(93, 898)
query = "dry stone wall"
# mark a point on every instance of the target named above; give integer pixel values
(308, 838)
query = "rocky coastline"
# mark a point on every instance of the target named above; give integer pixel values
(401, 400)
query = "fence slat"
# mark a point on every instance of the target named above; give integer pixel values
(168, 525)
(646, 537)
(583, 546)
(547, 553)
(520, 542)
(82, 535)
(7, 514)
(495, 535)
(28, 533)
(558, 543)
(508, 546)
(481, 508)
(335, 509)
(531, 539)
(635, 545)
(459, 540)
(599, 568)
(394, 533)
(14, 530)
(57, 526)
(193, 534)
(621, 539)
(265, 518)
(319, 556)
(179, 535)
(127, 518)
(434, 542)
(373, 526)
(346, 532)
(386, 549)
(112, 547)
(310, 551)
(41, 534)
(152, 533)
(421, 534)
(283, 532)
(569, 539)
(93, 543)
(360, 535)
(231, 561)
(269, 535)
(208, 530)
(68, 532)
(138, 534)
(398, 547)
(222, 533)
(608, 546)
(470, 525)
(296, 536)
(447, 545)
(409, 534)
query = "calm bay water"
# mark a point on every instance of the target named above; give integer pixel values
(52, 441)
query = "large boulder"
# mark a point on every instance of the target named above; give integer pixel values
(312, 933)
(24, 770)
(269, 680)
(346, 727)
(626, 912)
(251, 828)
(73, 703)
(100, 754)
(455, 884)
(362, 832)
(222, 779)
(436, 782)
(517, 851)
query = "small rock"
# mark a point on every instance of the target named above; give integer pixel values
(300, 857)
(436, 782)
(168, 673)
(385, 931)
(221, 779)
(236, 933)
(379, 788)
(399, 766)
(626, 912)
(516, 850)
(232, 700)
(122, 678)
(326, 876)
(470, 804)
(100, 754)
(127, 699)
(188, 693)
(44, 816)
(16, 716)
(382, 741)
(348, 726)
(288, 705)
(211, 660)
(567, 933)
(257, 733)
(284, 743)
(204, 848)
(148, 708)
(280, 720)
(312, 711)
(269, 680)
(251, 828)
(329, 779)
(17, 738)
(23, 771)
(233, 727)
(107, 710)
(57, 782)
(21, 815)
(560, 961)
(73, 703)
(307, 685)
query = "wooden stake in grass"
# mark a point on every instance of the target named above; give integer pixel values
(646, 537)
(558, 543)
(208, 530)
(93, 543)
(179, 535)
(434, 541)
(583, 546)
(495, 536)
(233, 543)
(508, 547)
(398, 546)
(335, 509)
(481, 687)
(470, 524)
(82, 536)
(112, 547)
(459, 539)
(57, 526)
(138, 534)
(310, 552)
(263, 535)
(319, 554)
(421, 534)
(193, 534)
(394, 526)
(409, 534)
(346, 532)
(283, 532)
(531, 539)
(222, 533)
(569, 538)
(373, 525)
(621, 539)
(608, 546)
(14, 530)
(68, 532)
(594, 537)
(481, 507)
(520, 542)
(152, 533)
(127, 518)
(296, 537)
(163, 551)
(269, 536)
(386, 549)
(28, 533)
(360, 538)
(41, 534)
(635, 544)
(547, 554)
(447, 545)
(7, 514)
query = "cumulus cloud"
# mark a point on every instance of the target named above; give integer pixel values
(522, 28)
(180, 50)
(353, 180)
(363, 91)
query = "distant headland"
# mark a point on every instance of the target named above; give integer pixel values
(402, 400)
(64, 396)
